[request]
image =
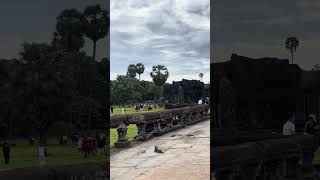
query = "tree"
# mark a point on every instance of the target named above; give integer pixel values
(69, 30)
(159, 75)
(140, 69)
(125, 90)
(316, 67)
(132, 71)
(201, 76)
(96, 24)
(42, 88)
(291, 44)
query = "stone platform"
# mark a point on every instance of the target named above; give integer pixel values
(186, 155)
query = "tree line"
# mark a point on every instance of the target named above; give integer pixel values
(47, 81)
(127, 89)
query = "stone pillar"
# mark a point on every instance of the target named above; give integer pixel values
(142, 134)
(122, 136)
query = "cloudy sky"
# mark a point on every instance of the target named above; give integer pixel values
(34, 20)
(259, 29)
(175, 33)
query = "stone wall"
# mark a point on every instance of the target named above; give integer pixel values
(90, 171)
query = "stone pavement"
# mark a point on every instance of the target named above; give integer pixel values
(186, 156)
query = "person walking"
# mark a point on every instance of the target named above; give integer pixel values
(200, 101)
(289, 127)
(6, 152)
(311, 126)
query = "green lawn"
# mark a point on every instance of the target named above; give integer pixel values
(117, 110)
(24, 155)
(132, 129)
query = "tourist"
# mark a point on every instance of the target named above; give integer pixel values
(111, 109)
(6, 152)
(311, 125)
(80, 141)
(42, 155)
(289, 127)
(65, 140)
(104, 145)
(122, 110)
(85, 146)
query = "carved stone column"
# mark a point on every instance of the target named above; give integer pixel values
(142, 134)
(122, 136)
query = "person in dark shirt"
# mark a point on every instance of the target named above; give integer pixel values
(311, 125)
(6, 152)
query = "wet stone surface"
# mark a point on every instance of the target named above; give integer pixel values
(182, 154)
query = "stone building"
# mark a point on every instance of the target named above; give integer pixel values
(265, 91)
(185, 91)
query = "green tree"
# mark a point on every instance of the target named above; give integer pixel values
(201, 76)
(44, 90)
(140, 69)
(126, 90)
(69, 30)
(159, 75)
(291, 44)
(132, 71)
(96, 24)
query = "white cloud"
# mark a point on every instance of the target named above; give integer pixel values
(175, 33)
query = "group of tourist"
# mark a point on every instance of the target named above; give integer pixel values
(311, 126)
(92, 145)
(136, 107)
(204, 100)
(145, 106)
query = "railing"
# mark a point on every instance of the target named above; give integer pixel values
(157, 123)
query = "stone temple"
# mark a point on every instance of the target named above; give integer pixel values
(251, 100)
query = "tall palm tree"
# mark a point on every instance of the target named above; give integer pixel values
(291, 44)
(201, 76)
(140, 69)
(96, 24)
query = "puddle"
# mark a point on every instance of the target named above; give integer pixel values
(182, 146)
(151, 151)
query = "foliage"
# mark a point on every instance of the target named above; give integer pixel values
(49, 82)
(127, 90)
(159, 75)
(132, 71)
(201, 76)
(139, 69)
(96, 24)
(69, 30)
(291, 44)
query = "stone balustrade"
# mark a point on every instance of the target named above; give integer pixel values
(151, 124)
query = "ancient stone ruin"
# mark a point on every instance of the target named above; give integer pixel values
(185, 92)
(152, 124)
(251, 99)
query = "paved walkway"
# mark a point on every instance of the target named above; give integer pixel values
(186, 156)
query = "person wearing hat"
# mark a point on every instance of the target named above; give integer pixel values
(311, 125)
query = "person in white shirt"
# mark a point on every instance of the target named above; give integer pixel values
(289, 127)
(200, 101)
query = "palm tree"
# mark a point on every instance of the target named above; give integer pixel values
(140, 69)
(201, 76)
(96, 24)
(291, 44)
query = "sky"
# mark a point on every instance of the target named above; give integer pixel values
(174, 33)
(34, 21)
(259, 28)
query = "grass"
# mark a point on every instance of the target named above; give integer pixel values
(117, 110)
(24, 155)
(132, 128)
